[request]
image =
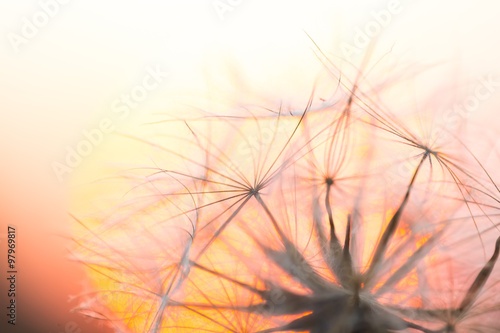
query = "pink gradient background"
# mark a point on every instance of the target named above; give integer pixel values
(65, 79)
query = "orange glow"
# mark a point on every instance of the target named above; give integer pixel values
(209, 207)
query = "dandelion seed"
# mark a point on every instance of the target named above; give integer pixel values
(278, 222)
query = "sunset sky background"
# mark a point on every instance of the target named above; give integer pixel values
(65, 78)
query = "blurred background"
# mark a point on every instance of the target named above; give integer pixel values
(72, 73)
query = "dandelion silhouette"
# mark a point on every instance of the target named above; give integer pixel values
(278, 221)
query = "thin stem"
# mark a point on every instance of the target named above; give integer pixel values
(271, 216)
(392, 226)
(480, 280)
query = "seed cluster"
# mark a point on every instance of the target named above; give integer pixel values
(337, 218)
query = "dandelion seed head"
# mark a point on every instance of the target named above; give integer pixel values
(345, 217)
